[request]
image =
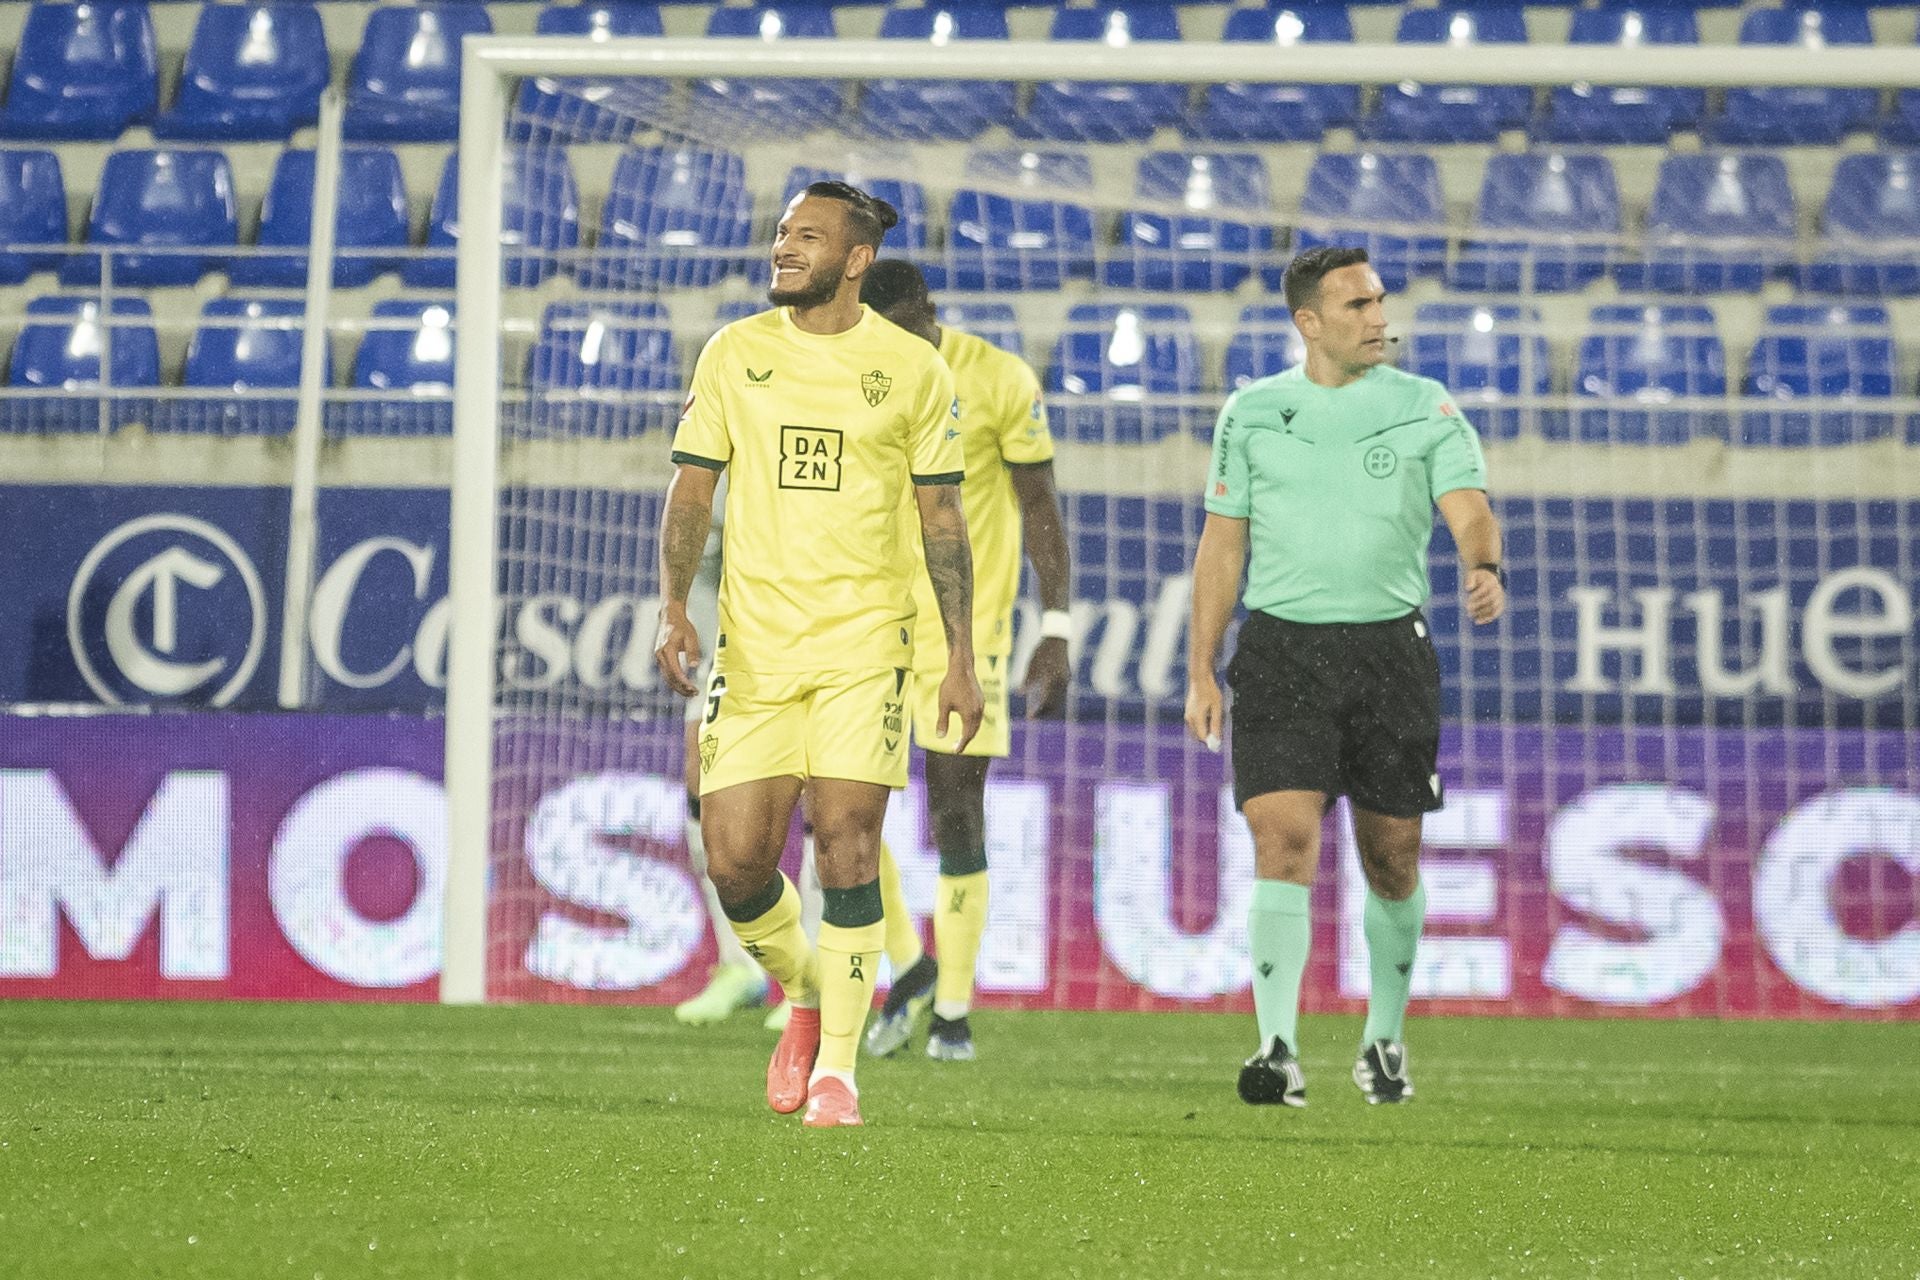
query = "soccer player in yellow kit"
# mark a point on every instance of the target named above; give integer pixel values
(823, 415)
(1008, 491)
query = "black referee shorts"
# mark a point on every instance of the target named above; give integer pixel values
(1350, 709)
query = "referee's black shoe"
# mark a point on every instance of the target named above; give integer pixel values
(1273, 1075)
(1381, 1072)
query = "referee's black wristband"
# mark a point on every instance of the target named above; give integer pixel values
(1499, 574)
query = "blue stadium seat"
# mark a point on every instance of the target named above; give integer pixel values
(1110, 360)
(771, 104)
(1590, 113)
(82, 71)
(1701, 199)
(610, 370)
(1844, 353)
(1648, 356)
(60, 348)
(161, 199)
(1487, 356)
(737, 309)
(575, 109)
(1453, 113)
(1264, 343)
(1199, 249)
(1775, 117)
(254, 72)
(242, 344)
(539, 219)
(1279, 112)
(1349, 192)
(1029, 241)
(994, 321)
(371, 216)
(1545, 194)
(673, 217)
(1874, 204)
(33, 210)
(404, 85)
(1109, 111)
(403, 372)
(937, 110)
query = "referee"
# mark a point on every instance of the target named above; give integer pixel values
(1329, 473)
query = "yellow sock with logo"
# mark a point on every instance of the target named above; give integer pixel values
(852, 939)
(768, 926)
(959, 918)
(903, 935)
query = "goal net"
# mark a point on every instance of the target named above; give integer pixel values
(1680, 771)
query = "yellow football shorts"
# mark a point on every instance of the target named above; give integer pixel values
(996, 734)
(836, 724)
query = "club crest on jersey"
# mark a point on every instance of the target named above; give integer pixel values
(709, 748)
(875, 386)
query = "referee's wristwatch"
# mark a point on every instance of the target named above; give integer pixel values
(1499, 574)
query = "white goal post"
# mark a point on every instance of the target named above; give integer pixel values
(491, 67)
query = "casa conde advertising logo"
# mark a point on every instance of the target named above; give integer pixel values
(169, 608)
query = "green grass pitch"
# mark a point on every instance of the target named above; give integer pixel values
(327, 1141)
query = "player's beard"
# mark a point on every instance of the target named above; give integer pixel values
(819, 290)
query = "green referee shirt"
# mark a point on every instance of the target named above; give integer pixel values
(1338, 485)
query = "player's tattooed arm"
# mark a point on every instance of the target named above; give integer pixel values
(683, 536)
(943, 527)
(683, 529)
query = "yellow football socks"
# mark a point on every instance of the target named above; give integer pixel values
(959, 918)
(903, 935)
(849, 966)
(771, 934)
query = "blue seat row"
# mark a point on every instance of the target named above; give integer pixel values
(1688, 5)
(242, 346)
(179, 205)
(1118, 374)
(1407, 112)
(1124, 374)
(684, 217)
(255, 71)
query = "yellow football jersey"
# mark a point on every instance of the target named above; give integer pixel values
(820, 435)
(1002, 420)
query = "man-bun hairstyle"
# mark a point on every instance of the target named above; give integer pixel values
(869, 216)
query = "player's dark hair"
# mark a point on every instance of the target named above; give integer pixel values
(869, 216)
(1307, 270)
(894, 282)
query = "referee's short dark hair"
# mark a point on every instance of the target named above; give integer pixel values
(1304, 273)
(869, 216)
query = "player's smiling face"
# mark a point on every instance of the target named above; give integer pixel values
(810, 251)
(1348, 322)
